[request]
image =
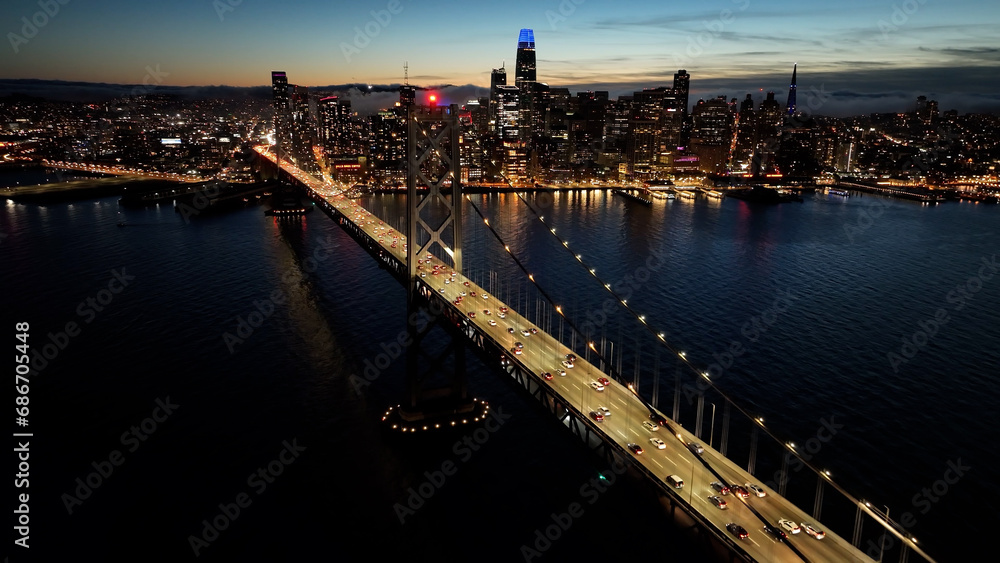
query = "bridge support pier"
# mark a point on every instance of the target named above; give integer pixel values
(432, 142)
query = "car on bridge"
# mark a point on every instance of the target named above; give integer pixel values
(737, 530)
(675, 481)
(472, 314)
(739, 491)
(755, 489)
(636, 448)
(516, 350)
(534, 330)
(510, 330)
(504, 309)
(696, 448)
(597, 416)
(604, 410)
(604, 381)
(717, 501)
(650, 426)
(597, 386)
(561, 372)
(720, 487)
(658, 443)
(657, 419)
(813, 531)
(487, 312)
(492, 322)
(775, 532)
(789, 526)
(547, 375)
(567, 364)
(518, 345)
(525, 332)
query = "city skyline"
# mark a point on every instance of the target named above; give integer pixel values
(868, 58)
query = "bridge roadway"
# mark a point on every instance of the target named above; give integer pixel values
(544, 353)
(121, 171)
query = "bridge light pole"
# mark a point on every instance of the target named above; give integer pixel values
(783, 483)
(711, 432)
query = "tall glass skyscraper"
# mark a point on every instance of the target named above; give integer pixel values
(524, 72)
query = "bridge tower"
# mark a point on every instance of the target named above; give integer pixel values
(437, 393)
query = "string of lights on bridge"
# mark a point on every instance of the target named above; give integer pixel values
(681, 355)
(862, 504)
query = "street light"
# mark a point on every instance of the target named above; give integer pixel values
(711, 432)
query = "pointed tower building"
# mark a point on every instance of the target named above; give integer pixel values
(791, 92)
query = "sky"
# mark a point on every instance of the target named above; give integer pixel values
(872, 55)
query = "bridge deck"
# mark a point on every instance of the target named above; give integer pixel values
(544, 353)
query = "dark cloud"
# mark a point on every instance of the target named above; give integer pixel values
(861, 87)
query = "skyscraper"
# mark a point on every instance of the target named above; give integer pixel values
(682, 84)
(525, 80)
(497, 78)
(282, 110)
(525, 65)
(791, 92)
(279, 88)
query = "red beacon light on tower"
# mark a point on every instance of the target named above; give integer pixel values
(432, 99)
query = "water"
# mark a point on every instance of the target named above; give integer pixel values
(288, 380)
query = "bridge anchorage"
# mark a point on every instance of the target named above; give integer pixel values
(437, 390)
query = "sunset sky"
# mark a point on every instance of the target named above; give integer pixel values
(861, 49)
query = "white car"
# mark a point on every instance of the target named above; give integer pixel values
(486, 296)
(755, 489)
(597, 386)
(789, 526)
(658, 443)
(650, 426)
(492, 322)
(502, 315)
(561, 372)
(567, 364)
(525, 332)
(813, 531)
(696, 448)
(604, 410)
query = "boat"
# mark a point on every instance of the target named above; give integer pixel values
(761, 194)
(715, 194)
(685, 194)
(838, 191)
